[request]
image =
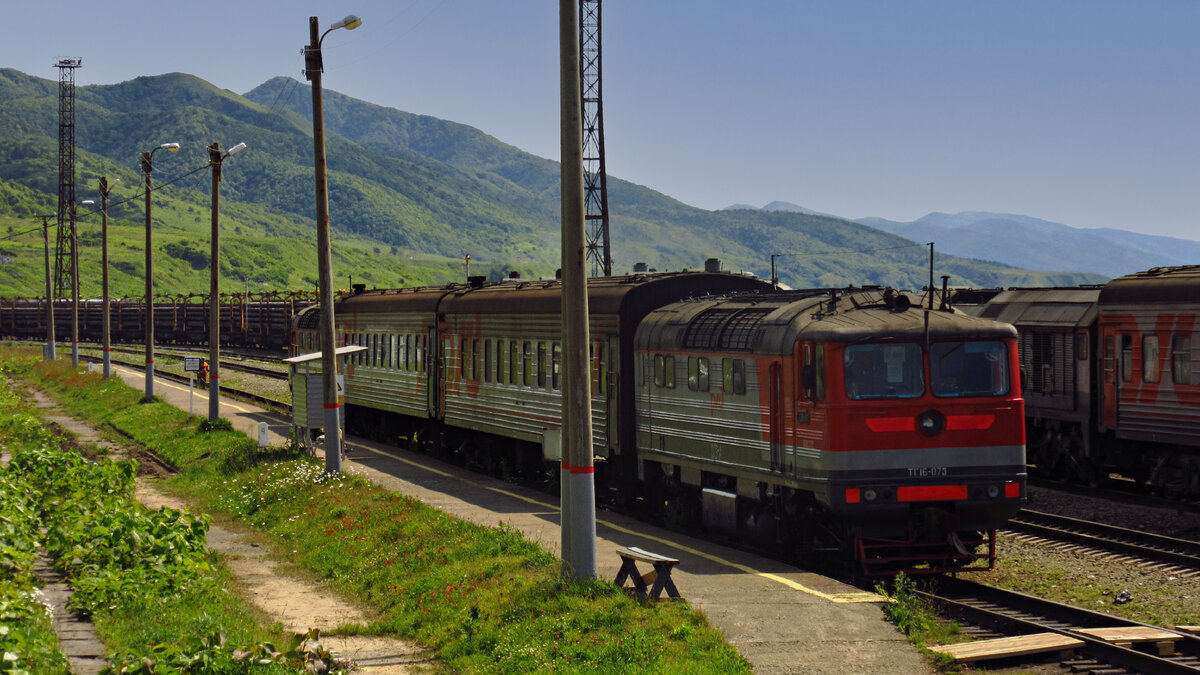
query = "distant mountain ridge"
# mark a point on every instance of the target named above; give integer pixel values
(1032, 243)
(406, 191)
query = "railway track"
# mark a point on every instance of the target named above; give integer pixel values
(1119, 490)
(249, 396)
(231, 365)
(1140, 546)
(1011, 613)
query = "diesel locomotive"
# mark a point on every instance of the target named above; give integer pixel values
(831, 424)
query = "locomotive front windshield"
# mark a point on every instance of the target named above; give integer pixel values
(969, 368)
(884, 371)
(961, 368)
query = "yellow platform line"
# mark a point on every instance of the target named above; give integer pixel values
(840, 598)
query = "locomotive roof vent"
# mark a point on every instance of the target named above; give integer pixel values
(712, 265)
(897, 302)
(359, 288)
(476, 282)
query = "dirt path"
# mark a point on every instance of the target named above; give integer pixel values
(297, 605)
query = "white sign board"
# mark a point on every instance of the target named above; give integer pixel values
(191, 364)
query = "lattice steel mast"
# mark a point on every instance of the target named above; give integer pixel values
(595, 177)
(65, 251)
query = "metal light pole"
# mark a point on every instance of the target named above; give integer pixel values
(578, 471)
(106, 319)
(313, 67)
(147, 169)
(74, 284)
(51, 349)
(214, 284)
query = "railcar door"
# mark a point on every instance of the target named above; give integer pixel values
(433, 365)
(775, 415)
(610, 384)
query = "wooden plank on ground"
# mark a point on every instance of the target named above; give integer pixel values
(1194, 630)
(1126, 636)
(1129, 634)
(1020, 645)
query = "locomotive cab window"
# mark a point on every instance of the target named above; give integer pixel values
(968, 368)
(1181, 359)
(733, 373)
(884, 371)
(698, 373)
(664, 371)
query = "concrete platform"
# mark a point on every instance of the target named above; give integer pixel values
(781, 618)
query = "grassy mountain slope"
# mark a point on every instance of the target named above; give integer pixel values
(409, 196)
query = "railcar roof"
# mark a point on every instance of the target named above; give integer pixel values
(1051, 307)
(771, 322)
(1158, 284)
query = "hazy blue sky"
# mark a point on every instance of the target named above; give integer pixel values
(1083, 112)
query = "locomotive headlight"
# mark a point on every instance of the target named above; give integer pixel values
(993, 491)
(869, 495)
(931, 422)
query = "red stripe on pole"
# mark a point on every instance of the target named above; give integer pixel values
(150, 362)
(107, 350)
(332, 405)
(214, 377)
(578, 469)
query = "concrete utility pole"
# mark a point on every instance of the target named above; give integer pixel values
(147, 169)
(578, 473)
(215, 158)
(313, 66)
(51, 349)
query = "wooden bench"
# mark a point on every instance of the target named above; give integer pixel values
(1126, 636)
(651, 584)
(1020, 645)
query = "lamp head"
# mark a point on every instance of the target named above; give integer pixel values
(349, 23)
(235, 149)
(171, 147)
(87, 202)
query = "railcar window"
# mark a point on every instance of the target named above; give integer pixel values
(698, 373)
(529, 364)
(497, 359)
(418, 352)
(462, 355)
(556, 357)
(475, 357)
(541, 359)
(1126, 358)
(487, 360)
(514, 362)
(670, 371)
(1081, 346)
(882, 371)
(1181, 359)
(1150, 362)
(968, 368)
(733, 374)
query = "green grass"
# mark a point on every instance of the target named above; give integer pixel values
(482, 599)
(917, 618)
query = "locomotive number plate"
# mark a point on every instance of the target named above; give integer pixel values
(927, 471)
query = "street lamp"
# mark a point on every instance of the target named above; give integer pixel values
(147, 169)
(313, 67)
(214, 285)
(105, 318)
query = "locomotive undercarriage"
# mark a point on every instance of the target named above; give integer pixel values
(1057, 450)
(795, 525)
